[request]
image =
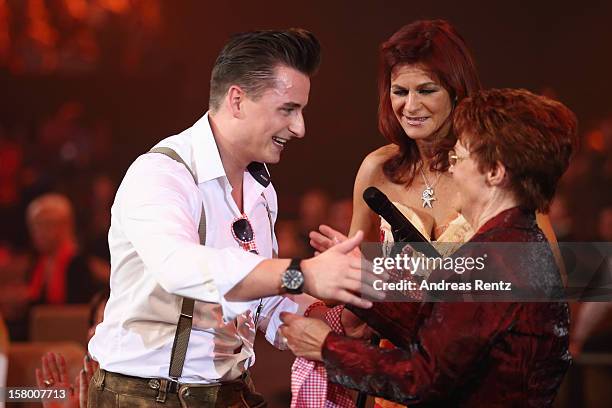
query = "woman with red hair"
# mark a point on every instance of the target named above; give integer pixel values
(425, 70)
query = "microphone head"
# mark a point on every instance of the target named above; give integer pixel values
(375, 199)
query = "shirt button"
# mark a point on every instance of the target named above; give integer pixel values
(154, 383)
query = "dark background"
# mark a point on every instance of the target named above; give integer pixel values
(563, 47)
(146, 84)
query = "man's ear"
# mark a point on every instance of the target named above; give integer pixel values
(234, 99)
(497, 175)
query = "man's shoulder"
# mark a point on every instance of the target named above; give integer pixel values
(153, 164)
(157, 172)
(181, 143)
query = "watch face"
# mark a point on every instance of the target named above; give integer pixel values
(293, 279)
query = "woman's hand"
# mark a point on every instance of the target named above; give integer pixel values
(326, 238)
(304, 335)
(54, 376)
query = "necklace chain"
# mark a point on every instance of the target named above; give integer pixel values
(427, 181)
(428, 195)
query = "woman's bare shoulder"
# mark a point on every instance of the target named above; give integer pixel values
(382, 154)
(372, 165)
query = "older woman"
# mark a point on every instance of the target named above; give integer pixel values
(512, 148)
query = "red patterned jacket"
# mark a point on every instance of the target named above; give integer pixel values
(495, 354)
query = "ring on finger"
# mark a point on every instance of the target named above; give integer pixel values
(48, 383)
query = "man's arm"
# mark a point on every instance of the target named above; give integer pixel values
(157, 201)
(333, 275)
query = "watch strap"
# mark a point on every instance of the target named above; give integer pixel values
(295, 264)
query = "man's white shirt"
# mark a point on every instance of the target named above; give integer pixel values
(156, 259)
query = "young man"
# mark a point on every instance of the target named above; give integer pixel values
(259, 88)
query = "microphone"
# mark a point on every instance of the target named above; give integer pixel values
(403, 231)
(401, 228)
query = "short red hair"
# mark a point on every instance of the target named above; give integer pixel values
(531, 135)
(437, 47)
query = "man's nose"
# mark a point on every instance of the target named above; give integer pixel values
(297, 126)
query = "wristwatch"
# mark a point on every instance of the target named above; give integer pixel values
(292, 279)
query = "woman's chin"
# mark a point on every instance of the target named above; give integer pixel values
(417, 132)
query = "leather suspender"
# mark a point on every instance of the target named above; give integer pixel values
(183, 328)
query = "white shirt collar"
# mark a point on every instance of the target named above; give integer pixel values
(206, 160)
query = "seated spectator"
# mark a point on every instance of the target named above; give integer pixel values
(61, 274)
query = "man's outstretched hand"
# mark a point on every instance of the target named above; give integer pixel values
(338, 275)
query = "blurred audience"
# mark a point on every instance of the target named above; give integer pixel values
(53, 371)
(69, 148)
(592, 327)
(561, 218)
(605, 224)
(289, 244)
(96, 215)
(593, 321)
(58, 272)
(340, 215)
(4, 348)
(73, 36)
(61, 274)
(313, 210)
(11, 158)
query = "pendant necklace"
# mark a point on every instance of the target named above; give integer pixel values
(428, 193)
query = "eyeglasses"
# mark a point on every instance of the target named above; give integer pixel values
(453, 159)
(243, 234)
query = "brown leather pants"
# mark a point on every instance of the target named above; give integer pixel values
(109, 389)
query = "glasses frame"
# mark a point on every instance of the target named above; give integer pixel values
(453, 158)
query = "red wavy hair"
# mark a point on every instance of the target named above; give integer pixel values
(439, 49)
